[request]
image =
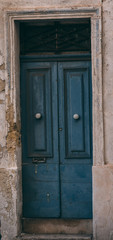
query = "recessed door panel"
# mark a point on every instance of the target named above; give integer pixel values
(75, 78)
(39, 112)
(73, 83)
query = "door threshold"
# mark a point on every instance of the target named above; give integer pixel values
(54, 237)
(57, 226)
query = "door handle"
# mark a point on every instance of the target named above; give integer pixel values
(38, 115)
(76, 116)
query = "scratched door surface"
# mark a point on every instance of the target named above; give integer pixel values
(56, 137)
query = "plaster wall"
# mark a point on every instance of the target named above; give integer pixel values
(103, 175)
(10, 145)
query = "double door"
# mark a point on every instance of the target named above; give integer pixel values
(56, 139)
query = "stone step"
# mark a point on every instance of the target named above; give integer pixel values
(54, 237)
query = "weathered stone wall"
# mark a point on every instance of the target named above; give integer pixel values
(103, 175)
(47, 4)
(10, 146)
(108, 78)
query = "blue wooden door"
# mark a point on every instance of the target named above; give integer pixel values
(75, 139)
(40, 140)
(56, 137)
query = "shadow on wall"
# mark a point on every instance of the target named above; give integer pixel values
(0, 231)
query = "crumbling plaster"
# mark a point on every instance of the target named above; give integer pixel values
(47, 4)
(10, 146)
(103, 202)
(108, 78)
(8, 203)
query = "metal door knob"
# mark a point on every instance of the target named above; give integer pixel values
(38, 115)
(76, 116)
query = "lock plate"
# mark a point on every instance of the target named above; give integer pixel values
(36, 160)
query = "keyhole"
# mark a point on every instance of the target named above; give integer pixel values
(48, 197)
(35, 168)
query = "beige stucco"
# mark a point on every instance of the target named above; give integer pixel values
(103, 205)
(101, 13)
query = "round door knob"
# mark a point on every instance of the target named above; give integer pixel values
(76, 116)
(38, 115)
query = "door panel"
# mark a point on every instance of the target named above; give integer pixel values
(74, 86)
(77, 203)
(73, 93)
(40, 140)
(75, 139)
(79, 172)
(39, 101)
(76, 191)
(41, 193)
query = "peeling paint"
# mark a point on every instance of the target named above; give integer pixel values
(13, 136)
(1, 101)
(2, 66)
(13, 139)
(2, 85)
(1, 148)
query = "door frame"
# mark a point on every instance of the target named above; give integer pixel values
(13, 87)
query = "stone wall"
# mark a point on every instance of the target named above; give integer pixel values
(10, 145)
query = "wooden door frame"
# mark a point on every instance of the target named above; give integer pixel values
(13, 84)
